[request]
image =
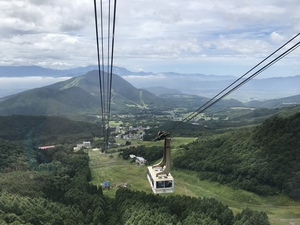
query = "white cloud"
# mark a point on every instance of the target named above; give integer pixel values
(149, 34)
(13, 85)
(31, 82)
(276, 37)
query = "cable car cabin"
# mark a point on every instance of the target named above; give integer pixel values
(160, 183)
(159, 176)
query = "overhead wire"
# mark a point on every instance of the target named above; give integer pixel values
(105, 109)
(108, 53)
(110, 56)
(99, 69)
(102, 39)
(105, 73)
(251, 77)
(112, 53)
(246, 73)
(212, 101)
(111, 63)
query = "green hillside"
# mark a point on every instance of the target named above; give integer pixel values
(79, 97)
(123, 93)
(263, 159)
(47, 101)
(42, 130)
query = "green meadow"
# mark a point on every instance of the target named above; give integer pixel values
(281, 210)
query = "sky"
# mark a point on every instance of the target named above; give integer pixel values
(221, 37)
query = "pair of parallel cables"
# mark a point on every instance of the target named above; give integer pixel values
(260, 67)
(105, 55)
(105, 76)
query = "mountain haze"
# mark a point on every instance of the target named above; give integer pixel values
(79, 96)
(275, 103)
(22, 71)
(21, 78)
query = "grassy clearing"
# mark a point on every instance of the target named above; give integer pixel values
(115, 123)
(106, 167)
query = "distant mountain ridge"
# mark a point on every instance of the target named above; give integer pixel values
(162, 90)
(23, 71)
(275, 103)
(256, 89)
(79, 96)
(194, 84)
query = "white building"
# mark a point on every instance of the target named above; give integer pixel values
(86, 144)
(140, 160)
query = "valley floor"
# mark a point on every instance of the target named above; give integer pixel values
(109, 167)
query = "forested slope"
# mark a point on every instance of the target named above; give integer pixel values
(52, 187)
(46, 129)
(139, 208)
(263, 159)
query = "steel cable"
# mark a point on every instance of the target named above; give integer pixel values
(212, 102)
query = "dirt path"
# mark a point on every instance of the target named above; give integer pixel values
(186, 190)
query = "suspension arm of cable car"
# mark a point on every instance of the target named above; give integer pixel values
(159, 176)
